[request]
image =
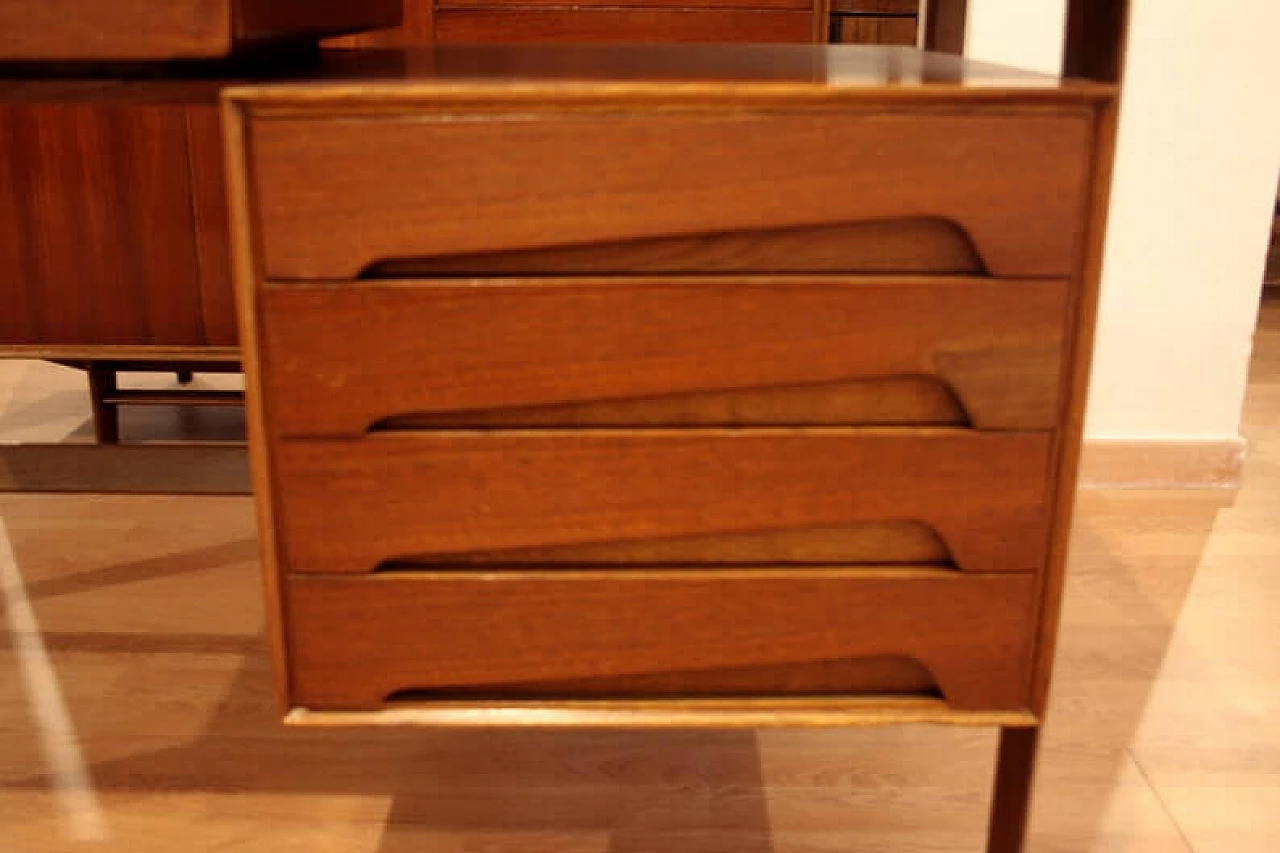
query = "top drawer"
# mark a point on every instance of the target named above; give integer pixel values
(339, 195)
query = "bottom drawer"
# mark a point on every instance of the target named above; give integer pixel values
(505, 26)
(362, 643)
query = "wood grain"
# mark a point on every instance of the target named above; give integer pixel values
(1075, 392)
(499, 5)
(873, 29)
(99, 225)
(212, 224)
(946, 25)
(362, 182)
(416, 28)
(273, 20)
(626, 26)
(175, 29)
(245, 277)
(356, 641)
(346, 506)
(113, 29)
(440, 347)
(876, 7)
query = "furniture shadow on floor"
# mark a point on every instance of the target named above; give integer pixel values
(1133, 560)
(169, 687)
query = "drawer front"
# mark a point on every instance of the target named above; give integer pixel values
(876, 7)
(616, 5)
(335, 196)
(664, 352)
(873, 29)
(356, 642)
(773, 22)
(352, 505)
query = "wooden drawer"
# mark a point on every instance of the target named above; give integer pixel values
(876, 7)
(461, 181)
(174, 29)
(677, 351)
(873, 29)
(354, 643)
(565, 5)
(447, 497)
(773, 22)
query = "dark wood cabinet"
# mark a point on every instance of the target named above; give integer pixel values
(99, 239)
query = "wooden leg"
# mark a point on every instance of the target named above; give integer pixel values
(106, 416)
(185, 377)
(1011, 799)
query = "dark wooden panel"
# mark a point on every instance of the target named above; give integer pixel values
(417, 27)
(1272, 275)
(350, 505)
(873, 29)
(1096, 31)
(355, 641)
(877, 7)
(143, 29)
(336, 196)
(340, 359)
(213, 225)
(566, 5)
(267, 20)
(503, 26)
(113, 29)
(945, 25)
(98, 201)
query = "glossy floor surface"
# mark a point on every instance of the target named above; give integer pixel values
(1164, 734)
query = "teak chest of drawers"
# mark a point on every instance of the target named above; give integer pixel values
(670, 387)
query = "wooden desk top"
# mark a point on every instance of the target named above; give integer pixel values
(817, 69)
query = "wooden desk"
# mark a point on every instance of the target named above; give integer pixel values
(731, 387)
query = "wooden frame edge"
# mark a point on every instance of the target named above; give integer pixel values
(244, 276)
(1083, 326)
(667, 714)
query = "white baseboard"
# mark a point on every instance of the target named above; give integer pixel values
(1126, 464)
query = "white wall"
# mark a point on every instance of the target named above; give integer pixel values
(1023, 33)
(1195, 182)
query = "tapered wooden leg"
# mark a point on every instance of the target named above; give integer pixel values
(1011, 799)
(106, 416)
